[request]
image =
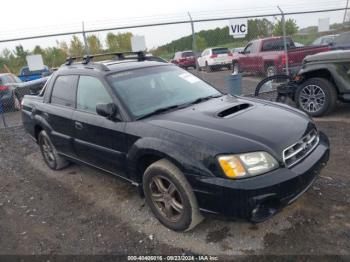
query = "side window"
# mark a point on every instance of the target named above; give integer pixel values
(90, 93)
(64, 90)
(255, 47)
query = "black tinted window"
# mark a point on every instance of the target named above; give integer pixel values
(64, 91)
(276, 44)
(187, 54)
(219, 51)
(90, 93)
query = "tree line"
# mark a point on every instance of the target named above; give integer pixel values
(257, 28)
(13, 60)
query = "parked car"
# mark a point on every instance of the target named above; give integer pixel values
(184, 59)
(341, 42)
(27, 75)
(266, 56)
(30, 87)
(8, 99)
(325, 40)
(322, 80)
(215, 58)
(190, 149)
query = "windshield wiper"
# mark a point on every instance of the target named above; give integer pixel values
(158, 111)
(202, 99)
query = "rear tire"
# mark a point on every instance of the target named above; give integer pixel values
(208, 68)
(271, 70)
(170, 196)
(52, 159)
(317, 97)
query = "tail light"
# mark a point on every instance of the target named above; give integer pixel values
(4, 88)
(230, 53)
(214, 56)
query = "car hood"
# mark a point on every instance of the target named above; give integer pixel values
(327, 56)
(236, 125)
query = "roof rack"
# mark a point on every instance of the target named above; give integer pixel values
(86, 59)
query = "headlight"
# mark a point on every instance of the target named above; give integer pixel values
(249, 164)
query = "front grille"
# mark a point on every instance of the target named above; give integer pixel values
(298, 151)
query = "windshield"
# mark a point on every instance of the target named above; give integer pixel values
(146, 90)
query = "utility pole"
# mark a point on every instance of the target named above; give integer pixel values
(85, 41)
(285, 40)
(345, 12)
(194, 44)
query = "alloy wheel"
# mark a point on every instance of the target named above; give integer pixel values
(312, 98)
(48, 150)
(166, 198)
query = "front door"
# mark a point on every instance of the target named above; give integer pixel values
(98, 140)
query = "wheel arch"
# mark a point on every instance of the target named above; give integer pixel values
(322, 72)
(268, 63)
(147, 151)
(40, 124)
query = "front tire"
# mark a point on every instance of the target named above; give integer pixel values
(317, 97)
(235, 68)
(170, 196)
(52, 159)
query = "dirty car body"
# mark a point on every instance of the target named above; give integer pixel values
(193, 135)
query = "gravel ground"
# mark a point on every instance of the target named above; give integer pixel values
(82, 211)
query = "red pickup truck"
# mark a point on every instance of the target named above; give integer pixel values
(267, 56)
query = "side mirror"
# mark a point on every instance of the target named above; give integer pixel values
(107, 110)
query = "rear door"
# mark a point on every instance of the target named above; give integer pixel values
(98, 140)
(58, 113)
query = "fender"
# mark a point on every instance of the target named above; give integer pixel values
(39, 120)
(338, 74)
(163, 149)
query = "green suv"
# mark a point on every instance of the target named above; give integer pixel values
(323, 80)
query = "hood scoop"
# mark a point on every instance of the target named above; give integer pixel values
(233, 110)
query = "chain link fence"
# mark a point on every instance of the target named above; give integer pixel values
(275, 44)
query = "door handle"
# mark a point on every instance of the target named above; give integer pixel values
(78, 125)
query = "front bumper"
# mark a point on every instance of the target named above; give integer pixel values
(257, 198)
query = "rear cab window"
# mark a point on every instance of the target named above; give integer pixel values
(276, 44)
(64, 91)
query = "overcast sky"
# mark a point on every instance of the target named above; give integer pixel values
(38, 17)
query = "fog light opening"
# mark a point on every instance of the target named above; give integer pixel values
(264, 210)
